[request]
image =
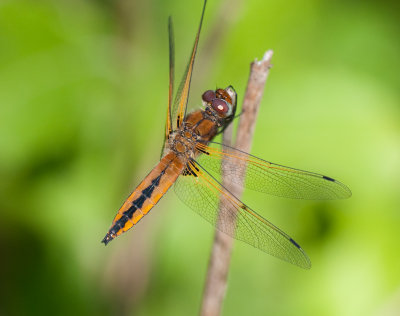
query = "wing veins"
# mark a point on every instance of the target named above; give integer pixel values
(181, 99)
(272, 178)
(250, 220)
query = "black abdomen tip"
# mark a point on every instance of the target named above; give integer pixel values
(107, 239)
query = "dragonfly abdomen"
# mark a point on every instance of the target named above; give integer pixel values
(146, 195)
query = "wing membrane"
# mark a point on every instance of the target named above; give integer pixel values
(267, 177)
(181, 99)
(168, 124)
(171, 75)
(205, 195)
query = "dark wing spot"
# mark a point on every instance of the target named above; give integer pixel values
(194, 166)
(190, 170)
(295, 243)
(328, 178)
(203, 151)
(186, 172)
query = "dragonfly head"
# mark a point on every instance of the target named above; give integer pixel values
(222, 102)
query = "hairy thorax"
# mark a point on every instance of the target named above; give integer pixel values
(198, 127)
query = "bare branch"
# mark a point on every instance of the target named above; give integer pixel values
(218, 268)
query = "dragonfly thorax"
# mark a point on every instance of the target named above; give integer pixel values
(198, 127)
(183, 142)
(201, 126)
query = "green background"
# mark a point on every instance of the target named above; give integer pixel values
(83, 91)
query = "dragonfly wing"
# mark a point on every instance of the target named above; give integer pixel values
(168, 128)
(267, 177)
(206, 196)
(181, 99)
(168, 124)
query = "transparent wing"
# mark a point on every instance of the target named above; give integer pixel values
(267, 177)
(205, 195)
(168, 124)
(181, 99)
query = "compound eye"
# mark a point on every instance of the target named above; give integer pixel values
(220, 106)
(208, 96)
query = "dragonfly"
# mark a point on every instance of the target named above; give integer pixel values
(193, 162)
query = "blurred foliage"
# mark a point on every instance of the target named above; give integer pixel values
(83, 90)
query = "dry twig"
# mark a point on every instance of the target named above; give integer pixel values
(217, 275)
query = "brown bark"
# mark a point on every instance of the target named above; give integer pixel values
(218, 268)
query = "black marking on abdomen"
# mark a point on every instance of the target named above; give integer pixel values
(328, 178)
(136, 204)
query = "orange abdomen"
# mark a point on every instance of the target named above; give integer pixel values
(146, 195)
